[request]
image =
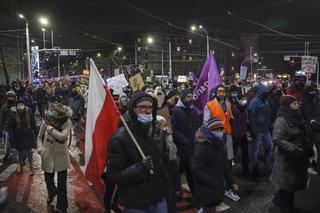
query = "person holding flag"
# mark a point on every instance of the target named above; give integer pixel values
(141, 181)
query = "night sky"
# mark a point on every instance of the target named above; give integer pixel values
(94, 24)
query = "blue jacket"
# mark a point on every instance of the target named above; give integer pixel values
(184, 123)
(259, 113)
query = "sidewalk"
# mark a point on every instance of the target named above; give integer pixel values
(31, 190)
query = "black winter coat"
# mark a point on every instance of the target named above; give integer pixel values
(22, 138)
(210, 169)
(137, 190)
(184, 123)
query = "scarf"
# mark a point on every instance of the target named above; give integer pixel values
(214, 140)
(292, 117)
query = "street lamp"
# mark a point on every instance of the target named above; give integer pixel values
(98, 54)
(149, 40)
(119, 49)
(45, 22)
(21, 16)
(201, 28)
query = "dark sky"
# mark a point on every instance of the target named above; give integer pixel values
(90, 24)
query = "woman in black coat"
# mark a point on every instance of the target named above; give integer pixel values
(209, 166)
(22, 128)
(289, 172)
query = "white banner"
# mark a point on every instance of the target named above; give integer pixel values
(117, 83)
(243, 72)
(309, 64)
(35, 59)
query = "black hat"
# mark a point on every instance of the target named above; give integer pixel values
(286, 100)
(136, 98)
(184, 93)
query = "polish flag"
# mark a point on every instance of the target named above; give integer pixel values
(102, 121)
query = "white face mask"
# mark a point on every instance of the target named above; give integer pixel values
(218, 134)
(243, 102)
(145, 118)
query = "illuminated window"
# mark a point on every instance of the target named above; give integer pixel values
(178, 49)
(190, 58)
(190, 41)
(232, 54)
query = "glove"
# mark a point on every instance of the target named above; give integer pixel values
(145, 165)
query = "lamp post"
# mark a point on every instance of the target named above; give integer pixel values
(28, 48)
(201, 28)
(44, 37)
(150, 40)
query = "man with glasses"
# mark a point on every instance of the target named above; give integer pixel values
(141, 182)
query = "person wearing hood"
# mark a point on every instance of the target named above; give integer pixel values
(260, 123)
(11, 99)
(29, 100)
(184, 123)
(273, 100)
(52, 144)
(22, 126)
(289, 136)
(310, 109)
(139, 190)
(210, 167)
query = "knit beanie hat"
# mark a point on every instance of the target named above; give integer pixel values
(214, 123)
(184, 93)
(286, 100)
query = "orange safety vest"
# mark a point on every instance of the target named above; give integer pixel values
(217, 112)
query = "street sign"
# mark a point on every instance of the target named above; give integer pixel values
(309, 64)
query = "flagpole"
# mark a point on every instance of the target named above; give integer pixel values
(123, 121)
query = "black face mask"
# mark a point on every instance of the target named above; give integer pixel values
(278, 93)
(264, 96)
(187, 104)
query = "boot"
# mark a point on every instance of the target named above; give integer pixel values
(31, 170)
(20, 168)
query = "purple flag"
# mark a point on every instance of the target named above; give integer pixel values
(208, 80)
(194, 79)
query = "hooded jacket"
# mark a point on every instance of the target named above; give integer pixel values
(136, 189)
(259, 112)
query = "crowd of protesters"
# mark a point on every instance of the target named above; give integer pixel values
(284, 120)
(59, 106)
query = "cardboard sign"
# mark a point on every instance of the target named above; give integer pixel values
(136, 82)
(117, 83)
(309, 64)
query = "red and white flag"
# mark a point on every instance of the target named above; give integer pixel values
(102, 121)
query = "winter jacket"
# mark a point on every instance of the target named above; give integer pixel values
(184, 123)
(290, 165)
(41, 96)
(23, 137)
(5, 116)
(210, 169)
(310, 109)
(137, 190)
(259, 113)
(53, 147)
(239, 123)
